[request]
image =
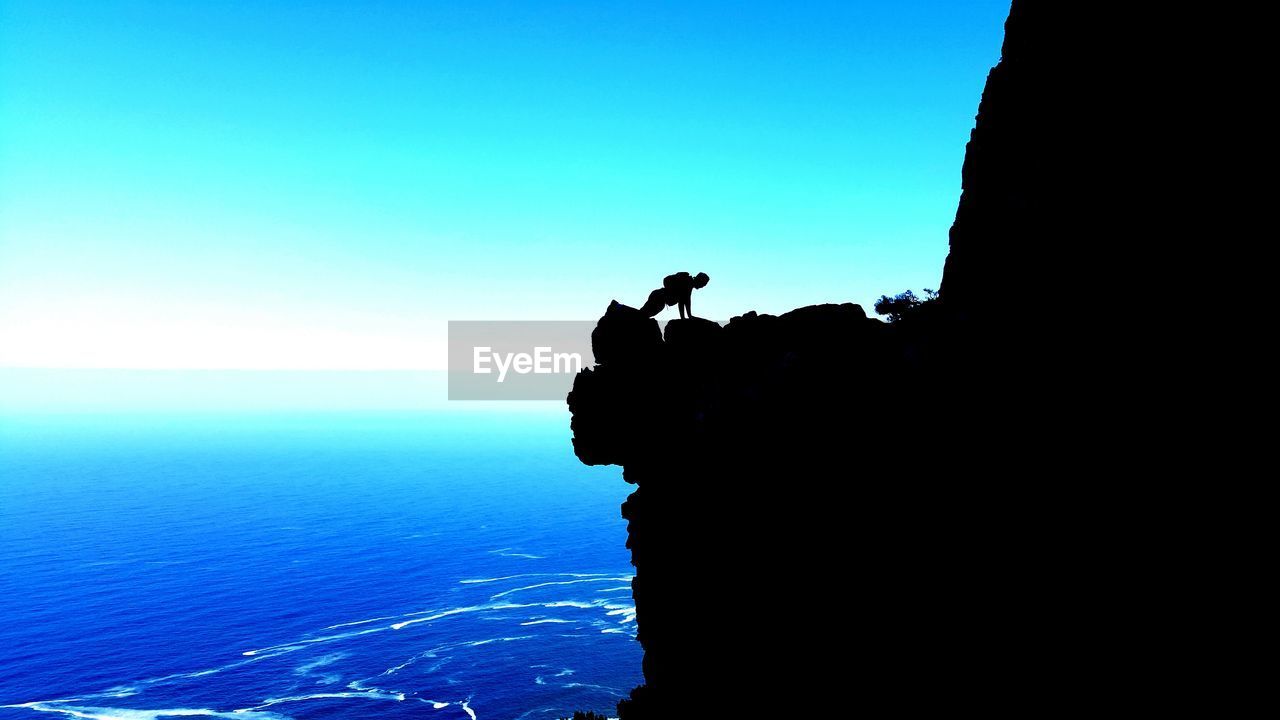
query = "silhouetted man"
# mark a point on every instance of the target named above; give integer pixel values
(680, 287)
(658, 299)
(676, 289)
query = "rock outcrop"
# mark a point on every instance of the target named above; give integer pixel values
(834, 511)
(779, 498)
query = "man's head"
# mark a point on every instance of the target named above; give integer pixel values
(701, 279)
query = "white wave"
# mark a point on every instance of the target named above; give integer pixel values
(78, 707)
(320, 662)
(512, 552)
(466, 707)
(431, 615)
(107, 713)
(358, 622)
(396, 668)
(570, 603)
(359, 685)
(528, 575)
(624, 588)
(605, 688)
(128, 690)
(628, 613)
(434, 653)
(275, 650)
(369, 694)
(426, 616)
(298, 644)
(210, 671)
(504, 552)
(554, 583)
(372, 692)
(438, 615)
(511, 606)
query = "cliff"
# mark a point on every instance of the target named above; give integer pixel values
(832, 510)
(778, 498)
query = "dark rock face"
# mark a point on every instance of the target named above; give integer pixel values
(1016, 198)
(833, 511)
(758, 449)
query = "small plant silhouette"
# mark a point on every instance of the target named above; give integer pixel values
(902, 304)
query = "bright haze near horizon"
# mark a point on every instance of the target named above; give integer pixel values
(324, 185)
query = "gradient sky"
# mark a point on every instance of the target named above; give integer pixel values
(323, 185)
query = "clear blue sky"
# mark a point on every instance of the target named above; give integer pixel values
(324, 185)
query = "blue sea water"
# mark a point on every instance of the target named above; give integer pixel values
(323, 565)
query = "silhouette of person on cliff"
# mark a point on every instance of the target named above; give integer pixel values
(681, 286)
(676, 290)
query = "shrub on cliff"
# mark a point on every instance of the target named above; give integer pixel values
(903, 304)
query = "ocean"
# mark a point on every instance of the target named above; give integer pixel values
(270, 565)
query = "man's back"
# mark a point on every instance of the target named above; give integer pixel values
(681, 282)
